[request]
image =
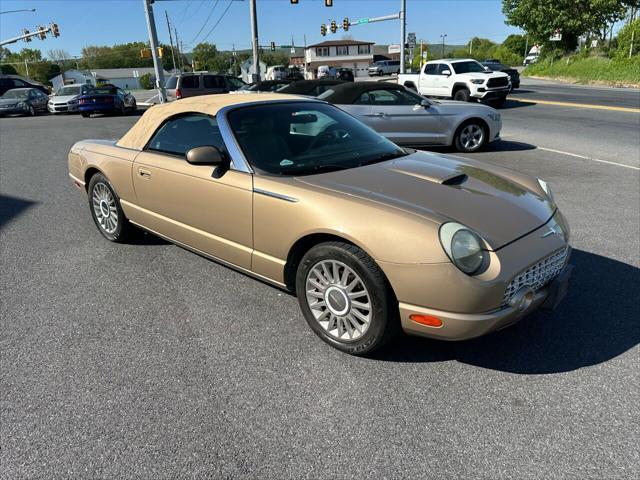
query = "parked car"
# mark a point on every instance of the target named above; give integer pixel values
(514, 75)
(23, 101)
(65, 99)
(265, 86)
(310, 88)
(186, 85)
(276, 72)
(384, 67)
(406, 118)
(106, 99)
(326, 71)
(294, 74)
(372, 238)
(465, 80)
(345, 74)
(531, 59)
(8, 82)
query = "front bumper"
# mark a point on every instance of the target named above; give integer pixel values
(62, 108)
(13, 111)
(460, 326)
(490, 93)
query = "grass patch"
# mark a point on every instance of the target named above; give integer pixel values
(591, 69)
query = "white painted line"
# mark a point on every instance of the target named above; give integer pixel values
(588, 158)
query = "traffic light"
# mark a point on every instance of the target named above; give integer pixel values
(294, 2)
(42, 33)
(55, 30)
(145, 53)
(334, 26)
(160, 51)
(323, 29)
(273, 46)
(26, 32)
(345, 24)
(328, 3)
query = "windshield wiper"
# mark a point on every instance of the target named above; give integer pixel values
(383, 157)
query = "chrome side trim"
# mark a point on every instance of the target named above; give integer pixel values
(279, 196)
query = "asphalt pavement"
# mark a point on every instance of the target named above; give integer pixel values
(147, 361)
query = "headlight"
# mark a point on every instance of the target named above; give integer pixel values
(72, 102)
(495, 117)
(462, 246)
(477, 81)
(21, 105)
(545, 186)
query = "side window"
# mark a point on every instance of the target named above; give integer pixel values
(406, 98)
(442, 67)
(383, 97)
(213, 81)
(179, 135)
(17, 83)
(190, 81)
(431, 69)
(363, 99)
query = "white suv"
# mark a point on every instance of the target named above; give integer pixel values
(462, 80)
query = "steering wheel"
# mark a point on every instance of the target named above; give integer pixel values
(332, 134)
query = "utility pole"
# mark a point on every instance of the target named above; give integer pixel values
(26, 66)
(403, 35)
(173, 56)
(526, 45)
(443, 36)
(471, 47)
(254, 40)
(179, 49)
(153, 40)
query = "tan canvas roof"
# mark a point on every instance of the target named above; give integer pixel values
(138, 136)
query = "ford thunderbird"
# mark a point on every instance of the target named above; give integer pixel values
(373, 239)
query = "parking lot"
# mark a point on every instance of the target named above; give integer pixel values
(147, 361)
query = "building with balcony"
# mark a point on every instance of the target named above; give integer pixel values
(353, 54)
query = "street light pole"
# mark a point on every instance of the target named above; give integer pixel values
(254, 40)
(153, 40)
(403, 35)
(443, 37)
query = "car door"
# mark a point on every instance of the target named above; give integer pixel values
(38, 99)
(428, 80)
(184, 202)
(444, 82)
(190, 86)
(399, 116)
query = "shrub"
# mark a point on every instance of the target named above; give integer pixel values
(146, 82)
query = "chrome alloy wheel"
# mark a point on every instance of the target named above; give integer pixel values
(471, 136)
(104, 208)
(338, 300)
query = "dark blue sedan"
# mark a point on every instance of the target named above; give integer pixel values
(107, 99)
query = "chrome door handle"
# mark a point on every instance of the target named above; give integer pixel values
(144, 173)
(380, 114)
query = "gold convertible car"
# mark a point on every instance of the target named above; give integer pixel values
(371, 237)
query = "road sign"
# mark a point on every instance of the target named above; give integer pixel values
(411, 39)
(362, 21)
(557, 35)
(395, 48)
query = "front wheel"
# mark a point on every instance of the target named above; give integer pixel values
(345, 298)
(462, 95)
(499, 102)
(470, 137)
(31, 111)
(85, 115)
(106, 210)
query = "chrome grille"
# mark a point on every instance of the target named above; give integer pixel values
(538, 275)
(498, 82)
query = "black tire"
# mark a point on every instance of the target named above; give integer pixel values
(459, 141)
(32, 111)
(134, 108)
(123, 110)
(462, 95)
(383, 322)
(85, 115)
(123, 228)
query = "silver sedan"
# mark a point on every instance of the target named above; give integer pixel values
(409, 119)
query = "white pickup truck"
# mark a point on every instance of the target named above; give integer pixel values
(463, 80)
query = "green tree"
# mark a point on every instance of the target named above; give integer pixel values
(515, 44)
(146, 82)
(630, 31)
(204, 56)
(540, 18)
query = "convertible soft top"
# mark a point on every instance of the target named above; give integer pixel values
(303, 87)
(138, 136)
(349, 92)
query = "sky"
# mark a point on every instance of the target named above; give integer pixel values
(226, 22)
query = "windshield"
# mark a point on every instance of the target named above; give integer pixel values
(468, 67)
(70, 90)
(235, 82)
(105, 90)
(17, 94)
(302, 138)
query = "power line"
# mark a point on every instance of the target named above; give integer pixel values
(205, 22)
(219, 20)
(195, 12)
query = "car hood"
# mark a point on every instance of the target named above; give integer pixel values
(63, 98)
(443, 188)
(11, 101)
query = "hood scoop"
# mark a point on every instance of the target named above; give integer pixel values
(455, 180)
(433, 173)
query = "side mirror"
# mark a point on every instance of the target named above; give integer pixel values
(209, 155)
(487, 69)
(446, 72)
(425, 103)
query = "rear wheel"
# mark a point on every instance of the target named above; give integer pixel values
(345, 298)
(462, 95)
(134, 107)
(86, 115)
(31, 111)
(106, 211)
(471, 136)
